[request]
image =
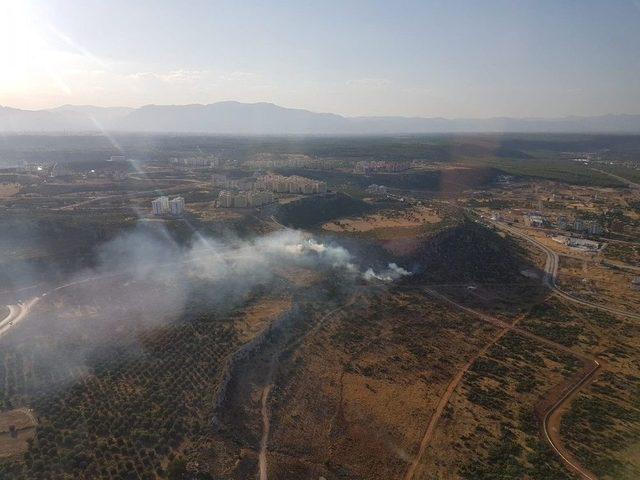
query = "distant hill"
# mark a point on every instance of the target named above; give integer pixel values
(469, 252)
(269, 119)
(309, 212)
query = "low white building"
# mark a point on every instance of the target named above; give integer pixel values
(533, 220)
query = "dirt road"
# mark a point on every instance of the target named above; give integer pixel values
(551, 421)
(444, 400)
(626, 181)
(262, 457)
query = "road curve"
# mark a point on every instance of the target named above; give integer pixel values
(554, 412)
(551, 274)
(17, 313)
(553, 416)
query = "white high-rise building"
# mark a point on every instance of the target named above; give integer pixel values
(176, 206)
(160, 206)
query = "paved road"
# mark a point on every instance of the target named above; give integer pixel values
(21, 310)
(551, 274)
(17, 313)
(551, 420)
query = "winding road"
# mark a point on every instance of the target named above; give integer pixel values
(551, 274)
(551, 420)
(17, 313)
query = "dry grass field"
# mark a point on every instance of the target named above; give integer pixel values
(599, 283)
(8, 189)
(386, 224)
(17, 428)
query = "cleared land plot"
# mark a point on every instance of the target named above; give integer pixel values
(386, 224)
(17, 427)
(599, 283)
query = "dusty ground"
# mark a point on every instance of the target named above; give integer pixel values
(259, 315)
(602, 426)
(387, 224)
(357, 395)
(24, 424)
(8, 189)
(298, 276)
(488, 427)
(209, 212)
(599, 284)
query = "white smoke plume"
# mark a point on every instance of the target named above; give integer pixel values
(391, 273)
(145, 278)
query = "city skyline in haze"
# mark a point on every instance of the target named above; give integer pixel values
(429, 59)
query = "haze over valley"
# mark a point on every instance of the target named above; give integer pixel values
(269, 119)
(284, 240)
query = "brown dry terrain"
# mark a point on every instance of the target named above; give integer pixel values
(388, 224)
(599, 283)
(448, 374)
(601, 427)
(8, 189)
(354, 400)
(17, 428)
(259, 315)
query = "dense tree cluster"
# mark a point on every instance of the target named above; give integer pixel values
(134, 413)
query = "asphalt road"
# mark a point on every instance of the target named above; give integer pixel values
(551, 274)
(551, 420)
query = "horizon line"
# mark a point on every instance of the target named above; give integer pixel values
(439, 117)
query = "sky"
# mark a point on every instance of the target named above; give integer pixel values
(455, 58)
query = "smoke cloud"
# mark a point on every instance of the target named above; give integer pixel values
(393, 272)
(145, 278)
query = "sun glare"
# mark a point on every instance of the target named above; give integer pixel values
(31, 64)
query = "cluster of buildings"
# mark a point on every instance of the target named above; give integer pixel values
(264, 162)
(590, 227)
(244, 199)
(252, 192)
(163, 206)
(293, 184)
(222, 181)
(36, 168)
(366, 167)
(197, 162)
(579, 243)
(534, 220)
(578, 225)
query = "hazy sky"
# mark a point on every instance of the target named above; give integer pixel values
(473, 58)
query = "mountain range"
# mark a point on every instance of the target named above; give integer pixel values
(268, 119)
